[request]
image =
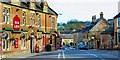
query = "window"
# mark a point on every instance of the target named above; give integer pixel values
(6, 41)
(53, 22)
(39, 22)
(6, 15)
(118, 21)
(24, 18)
(32, 19)
(118, 37)
(23, 41)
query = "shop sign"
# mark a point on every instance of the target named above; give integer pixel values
(16, 23)
(16, 43)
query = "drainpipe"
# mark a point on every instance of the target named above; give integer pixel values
(45, 28)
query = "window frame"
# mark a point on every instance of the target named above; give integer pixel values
(23, 17)
(6, 12)
(118, 22)
(118, 38)
(23, 41)
(53, 22)
(7, 42)
(32, 19)
(39, 20)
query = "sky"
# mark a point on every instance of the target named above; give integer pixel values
(83, 10)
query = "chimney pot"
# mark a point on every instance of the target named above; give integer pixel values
(94, 18)
(101, 15)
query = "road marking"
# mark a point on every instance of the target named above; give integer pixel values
(94, 55)
(87, 52)
(59, 55)
(63, 55)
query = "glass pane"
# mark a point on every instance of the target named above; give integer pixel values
(3, 44)
(8, 10)
(24, 13)
(39, 21)
(8, 18)
(7, 45)
(118, 21)
(5, 17)
(119, 37)
(24, 43)
(24, 20)
(5, 10)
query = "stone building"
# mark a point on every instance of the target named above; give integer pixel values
(26, 24)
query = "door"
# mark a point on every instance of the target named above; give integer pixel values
(32, 42)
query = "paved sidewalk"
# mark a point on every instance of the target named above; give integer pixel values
(26, 54)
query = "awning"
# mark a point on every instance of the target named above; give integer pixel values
(8, 29)
(24, 30)
(46, 33)
(1, 31)
(53, 31)
(17, 31)
(40, 31)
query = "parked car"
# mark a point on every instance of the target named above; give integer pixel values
(82, 47)
(58, 47)
(65, 48)
(72, 48)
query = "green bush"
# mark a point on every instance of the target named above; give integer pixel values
(48, 48)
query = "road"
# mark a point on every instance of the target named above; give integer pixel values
(81, 54)
(78, 55)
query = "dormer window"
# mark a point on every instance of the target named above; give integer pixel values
(32, 4)
(16, 2)
(45, 8)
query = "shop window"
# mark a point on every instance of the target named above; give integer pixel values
(23, 41)
(6, 41)
(53, 22)
(39, 20)
(6, 15)
(24, 18)
(32, 19)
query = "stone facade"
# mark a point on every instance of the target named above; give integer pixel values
(36, 26)
(117, 31)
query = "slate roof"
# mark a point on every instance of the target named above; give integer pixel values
(51, 11)
(110, 30)
(82, 30)
(39, 6)
(64, 32)
(118, 15)
(87, 29)
(66, 36)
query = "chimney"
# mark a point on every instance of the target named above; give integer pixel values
(119, 7)
(43, 0)
(101, 15)
(94, 18)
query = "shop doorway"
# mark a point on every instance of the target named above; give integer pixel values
(32, 42)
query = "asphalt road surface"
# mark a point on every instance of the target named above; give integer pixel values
(78, 55)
